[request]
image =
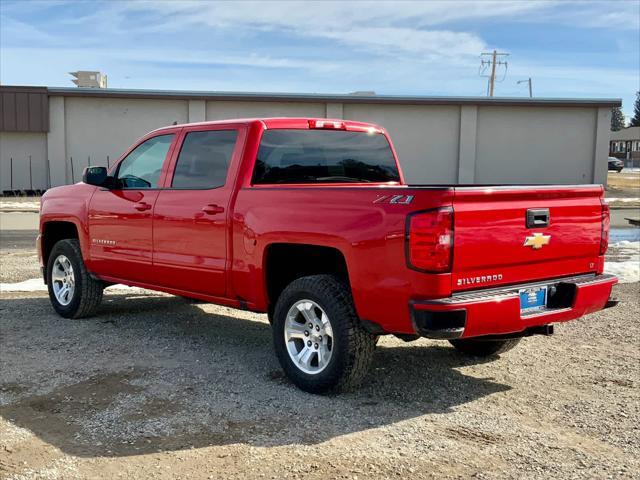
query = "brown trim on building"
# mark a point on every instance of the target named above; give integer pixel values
(24, 109)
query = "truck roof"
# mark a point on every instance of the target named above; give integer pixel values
(282, 122)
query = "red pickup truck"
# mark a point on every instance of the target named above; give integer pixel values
(310, 221)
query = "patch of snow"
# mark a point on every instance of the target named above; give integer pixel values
(37, 285)
(625, 244)
(12, 205)
(31, 285)
(622, 199)
(623, 260)
(627, 272)
(625, 263)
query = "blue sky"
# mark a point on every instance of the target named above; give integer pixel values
(569, 48)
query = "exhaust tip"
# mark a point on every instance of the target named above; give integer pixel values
(612, 302)
(539, 330)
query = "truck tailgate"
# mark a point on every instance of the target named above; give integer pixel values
(495, 244)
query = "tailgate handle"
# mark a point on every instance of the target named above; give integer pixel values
(537, 217)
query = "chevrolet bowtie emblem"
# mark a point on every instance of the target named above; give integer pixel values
(537, 241)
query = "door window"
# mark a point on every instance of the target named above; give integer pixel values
(204, 159)
(141, 168)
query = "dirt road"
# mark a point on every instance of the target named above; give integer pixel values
(158, 387)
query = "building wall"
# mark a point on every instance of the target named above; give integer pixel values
(501, 144)
(535, 145)
(220, 110)
(99, 127)
(426, 138)
(19, 146)
(448, 143)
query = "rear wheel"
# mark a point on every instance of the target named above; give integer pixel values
(73, 292)
(317, 335)
(484, 348)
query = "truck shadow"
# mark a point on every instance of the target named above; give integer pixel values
(152, 374)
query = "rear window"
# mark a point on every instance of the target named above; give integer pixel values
(324, 156)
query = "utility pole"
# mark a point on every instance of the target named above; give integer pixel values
(494, 62)
(529, 82)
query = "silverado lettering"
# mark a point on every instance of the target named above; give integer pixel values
(482, 279)
(311, 222)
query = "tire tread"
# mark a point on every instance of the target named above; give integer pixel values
(91, 289)
(360, 343)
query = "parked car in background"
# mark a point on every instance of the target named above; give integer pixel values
(616, 164)
(311, 222)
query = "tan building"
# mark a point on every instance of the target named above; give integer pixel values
(89, 79)
(439, 140)
(625, 145)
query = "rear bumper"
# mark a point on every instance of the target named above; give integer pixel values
(497, 311)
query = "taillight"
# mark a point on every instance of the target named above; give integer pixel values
(604, 235)
(430, 240)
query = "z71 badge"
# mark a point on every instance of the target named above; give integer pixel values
(398, 199)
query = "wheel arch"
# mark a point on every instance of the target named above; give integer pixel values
(52, 232)
(286, 262)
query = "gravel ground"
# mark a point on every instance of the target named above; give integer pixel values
(159, 387)
(19, 259)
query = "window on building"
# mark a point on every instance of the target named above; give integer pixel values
(204, 159)
(141, 168)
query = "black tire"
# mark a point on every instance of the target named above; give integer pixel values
(484, 348)
(352, 347)
(87, 293)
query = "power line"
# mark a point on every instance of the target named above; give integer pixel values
(492, 63)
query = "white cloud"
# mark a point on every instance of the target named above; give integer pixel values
(420, 43)
(380, 27)
(17, 32)
(421, 47)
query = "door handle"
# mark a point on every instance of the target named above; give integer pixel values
(142, 206)
(212, 209)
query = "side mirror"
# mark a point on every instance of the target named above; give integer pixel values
(95, 176)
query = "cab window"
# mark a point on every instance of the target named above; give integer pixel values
(141, 168)
(204, 159)
(324, 156)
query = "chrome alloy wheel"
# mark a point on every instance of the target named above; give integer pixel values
(63, 280)
(308, 336)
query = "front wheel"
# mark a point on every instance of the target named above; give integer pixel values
(73, 292)
(317, 335)
(484, 348)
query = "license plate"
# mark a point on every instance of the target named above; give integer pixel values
(533, 299)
